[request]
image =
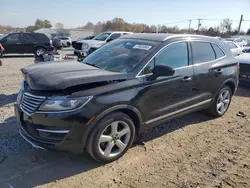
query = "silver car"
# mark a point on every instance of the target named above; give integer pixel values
(86, 47)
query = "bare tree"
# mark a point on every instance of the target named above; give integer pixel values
(59, 25)
(226, 25)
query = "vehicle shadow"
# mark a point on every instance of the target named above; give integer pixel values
(18, 56)
(7, 99)
(171, 126)
(243, 91)
(43, 167)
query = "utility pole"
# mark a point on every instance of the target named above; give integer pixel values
(241, 19)
(199, 24)
(189, 28)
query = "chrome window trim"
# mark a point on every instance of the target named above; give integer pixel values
(178, 111)
(138, 75)
(186, 40)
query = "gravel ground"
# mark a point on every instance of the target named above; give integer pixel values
(191, 151)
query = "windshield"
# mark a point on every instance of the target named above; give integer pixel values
(121, 55)
(2, 35)
(102, 36)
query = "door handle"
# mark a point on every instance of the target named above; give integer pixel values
(187, 79)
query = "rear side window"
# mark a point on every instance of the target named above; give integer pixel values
(115, 36)
(202, 52)
(218, 52)
(28, 38)
(41, 37)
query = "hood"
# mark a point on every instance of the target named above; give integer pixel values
(244, 58)
(93, 42)
(62, 75)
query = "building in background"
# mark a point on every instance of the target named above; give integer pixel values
(73, 33)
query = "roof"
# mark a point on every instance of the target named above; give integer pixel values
(163, 36)
(117, 32)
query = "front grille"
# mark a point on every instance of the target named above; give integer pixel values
(77, 45)
(30, 103)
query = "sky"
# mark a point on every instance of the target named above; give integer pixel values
(75, 13)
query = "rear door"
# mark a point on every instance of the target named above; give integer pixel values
(167, 96)
(28, 43)
(209, 69)
(12, 43)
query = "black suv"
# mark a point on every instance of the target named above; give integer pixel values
(130, 84)
(20, 43)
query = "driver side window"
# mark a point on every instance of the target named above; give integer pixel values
(14, 38)
(175, 56)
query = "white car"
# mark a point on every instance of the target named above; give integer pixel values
(86, 47)
(66, 41)
(235, 48)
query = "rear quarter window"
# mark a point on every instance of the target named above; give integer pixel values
(218, 52)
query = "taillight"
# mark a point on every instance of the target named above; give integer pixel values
(59, 42)
(238, 65)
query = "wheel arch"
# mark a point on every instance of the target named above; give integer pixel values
(129, 110)
(231, 83)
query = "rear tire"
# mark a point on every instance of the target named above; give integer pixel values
(111, 137)
(40, 51)
(221, 102)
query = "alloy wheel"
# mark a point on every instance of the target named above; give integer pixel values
(40, 51)
(114, 139)
(223, 102)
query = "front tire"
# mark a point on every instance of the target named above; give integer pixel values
(221, 102)
(112, 136)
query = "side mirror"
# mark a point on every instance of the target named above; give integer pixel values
(162, 70)
(109, 40)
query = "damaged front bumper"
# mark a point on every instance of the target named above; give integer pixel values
(62, 132)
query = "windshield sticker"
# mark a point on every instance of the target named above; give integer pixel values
(142, 47)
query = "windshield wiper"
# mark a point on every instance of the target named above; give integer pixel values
(93, 65)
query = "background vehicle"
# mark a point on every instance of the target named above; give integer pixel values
(241, 41)
(20, 43)
(129, 85)
(57, 43)
(74, 45)
(86, 47)
(235, 48)
(246, 48)
(66, 41)
(244, 60)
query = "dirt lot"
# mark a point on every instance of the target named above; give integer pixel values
(192, 151)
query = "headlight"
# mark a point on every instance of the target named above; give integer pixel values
(63, 103)
(85, 46)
